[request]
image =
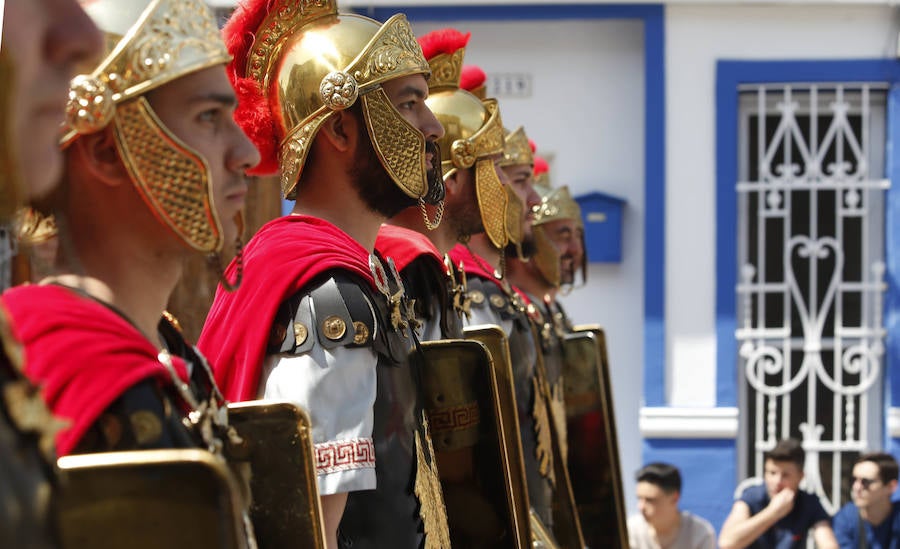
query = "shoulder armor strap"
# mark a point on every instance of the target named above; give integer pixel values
(334, 325)
(358, 303)
(336, 313)
(492, 296)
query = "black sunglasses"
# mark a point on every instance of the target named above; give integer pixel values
(865, 482)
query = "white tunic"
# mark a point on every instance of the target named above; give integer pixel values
(337, 388)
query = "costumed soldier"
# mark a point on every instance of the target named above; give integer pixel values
(480, 470)
(472, 151)
(559, 265)
(336, 102)
(154, 171)
(43, 42)
(539, 278)
(476, 211)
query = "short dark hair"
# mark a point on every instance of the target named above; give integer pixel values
(788, 449)
(887, 465)
(664, 475)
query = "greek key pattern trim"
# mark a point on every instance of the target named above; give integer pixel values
(455, 418)
(345, 455)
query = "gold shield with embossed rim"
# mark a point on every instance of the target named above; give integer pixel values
(496, 343)
(277, 444)
(590, 414)
(149, 499)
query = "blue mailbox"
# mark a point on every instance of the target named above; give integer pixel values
(602, 215)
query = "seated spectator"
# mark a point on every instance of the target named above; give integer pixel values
(871, 515)
(777, 514)
(660, 523)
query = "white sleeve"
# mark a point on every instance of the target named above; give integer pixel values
(486, 315)
(337, 389)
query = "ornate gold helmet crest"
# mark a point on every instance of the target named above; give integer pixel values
(517, 149)
(557, 204)
(308, 61)
(148, 44)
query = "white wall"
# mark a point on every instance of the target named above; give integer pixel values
(587, 110)
(696, 37)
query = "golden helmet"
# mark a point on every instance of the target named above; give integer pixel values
(517, 149)
(556, 204)
(148, 44)
(297, 62)
(473, 130)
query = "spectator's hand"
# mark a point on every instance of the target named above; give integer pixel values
(782, 502)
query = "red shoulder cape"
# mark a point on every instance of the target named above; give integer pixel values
(405, 245)
(460, 255)
(279, 260)
(81, 354)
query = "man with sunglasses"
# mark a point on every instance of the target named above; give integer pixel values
(871, 519)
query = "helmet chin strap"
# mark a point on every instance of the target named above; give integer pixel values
(439, 215)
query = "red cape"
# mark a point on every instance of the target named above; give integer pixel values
(461, 255)
(405, 245)
(284, 256)
(81, 354)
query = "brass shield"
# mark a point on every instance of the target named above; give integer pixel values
(490, 471)
(542, 537)
(185, 499)
(566, 520)
(593, 445)
(277, 444)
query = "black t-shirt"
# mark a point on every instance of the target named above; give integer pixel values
(789, 532)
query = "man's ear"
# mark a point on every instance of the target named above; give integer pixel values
(893, 485)
(452, 183)
(340, 129)
(99, 156)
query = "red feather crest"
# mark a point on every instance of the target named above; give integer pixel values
(540, 165)
(443, 41)
(254, 114)
(472, 77)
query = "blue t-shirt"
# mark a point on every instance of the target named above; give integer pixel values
(846, 525)
(789, 532)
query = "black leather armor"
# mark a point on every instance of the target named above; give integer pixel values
(523, 353)
(387, 516)
(27, 481)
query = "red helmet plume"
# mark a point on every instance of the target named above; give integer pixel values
(472, 78)
(253, 114)
(540, 166)
(446, 41)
